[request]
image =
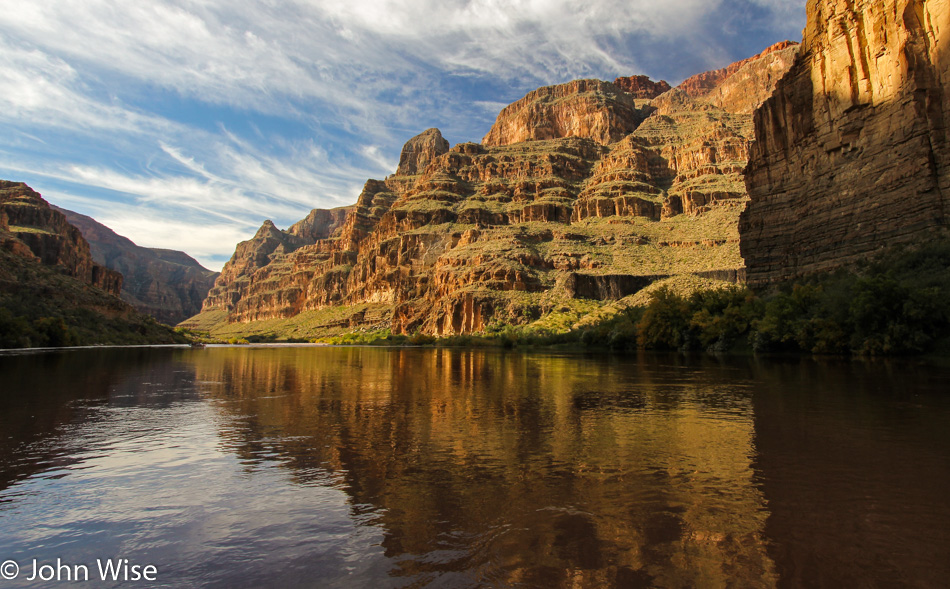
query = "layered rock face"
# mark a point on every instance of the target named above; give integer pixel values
(584, 108)
(642, 87)
(168, 285)
(49, 237)
(579, 191)
(744, 85)
(851, 151)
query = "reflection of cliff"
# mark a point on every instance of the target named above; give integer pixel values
(854, 464)
(537, 469)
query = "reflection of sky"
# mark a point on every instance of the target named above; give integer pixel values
(184, 125)
(156, 487)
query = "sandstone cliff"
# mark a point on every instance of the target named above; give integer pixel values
(50, 238)
(585, 108)
(744, 85)
(420, 151)
(579, 191)
(168, 285)
(642, 87)
(851, 151)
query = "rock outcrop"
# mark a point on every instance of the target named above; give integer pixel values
(320, 223)
(419, 151)
(166, 284)
(28, 218)
(584, 108)
(642, 87)
(743, 86)
(851, 152)
(578, 191)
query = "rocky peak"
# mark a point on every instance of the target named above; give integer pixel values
(320, 223)
(419, 151)
(642, 87)
(593, 109)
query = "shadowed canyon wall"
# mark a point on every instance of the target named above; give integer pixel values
(166, 284)
(27, 219)
(851, 152)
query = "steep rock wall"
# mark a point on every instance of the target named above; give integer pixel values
(582, 179)
(851, 151)
(166, 284)
(50, 237)
(583, 108)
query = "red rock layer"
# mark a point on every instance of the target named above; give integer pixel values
(642, 87)
(851, 152)
(702, 84)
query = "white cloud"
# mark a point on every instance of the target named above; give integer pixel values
(200, 240)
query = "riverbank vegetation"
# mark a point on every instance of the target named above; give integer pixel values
(41, 307)
(894, 305)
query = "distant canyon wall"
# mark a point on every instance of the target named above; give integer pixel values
(169, 285)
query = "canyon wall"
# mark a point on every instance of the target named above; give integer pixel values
(166, 284)
(851, 152)
(50, 238)
(582, 191)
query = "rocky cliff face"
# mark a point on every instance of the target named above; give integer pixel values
(29, 220)
(851, 151)
(579, 191)
(744, 85)
(168, 285)
(584, 108)
(642, 87)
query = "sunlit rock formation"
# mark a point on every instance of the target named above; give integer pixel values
(851, 151)
(580, 191)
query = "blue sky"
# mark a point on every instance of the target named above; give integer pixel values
(184, 124)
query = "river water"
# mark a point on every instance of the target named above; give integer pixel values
(372, 467)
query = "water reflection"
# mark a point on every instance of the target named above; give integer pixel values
(508, 468)
(454, 468)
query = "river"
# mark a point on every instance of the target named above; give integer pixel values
(377, 467)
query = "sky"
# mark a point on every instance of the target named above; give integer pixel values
(184, 124)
